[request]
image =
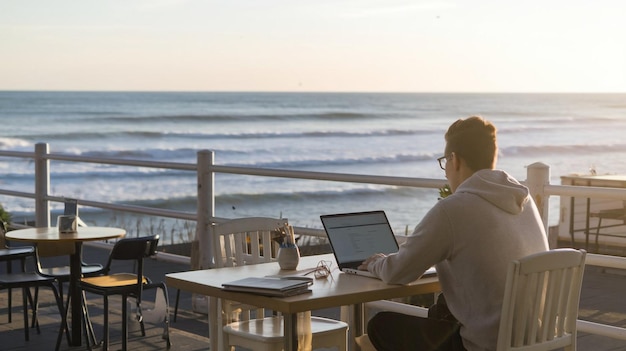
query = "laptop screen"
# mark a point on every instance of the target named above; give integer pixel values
(356, 236)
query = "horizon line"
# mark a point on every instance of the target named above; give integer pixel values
(301, 92)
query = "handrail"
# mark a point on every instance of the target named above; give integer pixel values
(17, 193)
(121, 162)
(545, 191)
(337, 177)
(605, 261)
(133, 209)
(268, 172)
(318, 176)
(586, 191)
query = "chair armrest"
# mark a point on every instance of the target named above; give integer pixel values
(392, 306)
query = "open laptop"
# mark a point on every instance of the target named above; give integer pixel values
(356, 236)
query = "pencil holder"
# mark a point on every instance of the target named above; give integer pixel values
(288, 257)
(66, 224)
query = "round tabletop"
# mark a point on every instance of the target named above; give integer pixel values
(52, 234)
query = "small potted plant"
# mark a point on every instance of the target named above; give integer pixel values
(444, 192)
(5, 218)
(288, 252)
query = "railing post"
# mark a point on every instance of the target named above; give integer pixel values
(538, 176)
(42, 185)
(202, 253)
(206, 208)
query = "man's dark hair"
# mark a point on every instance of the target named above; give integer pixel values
(474, 140)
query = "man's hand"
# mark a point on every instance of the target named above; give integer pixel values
(375, 257)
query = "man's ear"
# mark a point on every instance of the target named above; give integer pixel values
(455, 160)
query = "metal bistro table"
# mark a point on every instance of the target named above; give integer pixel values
(338, 290)
(50, 234)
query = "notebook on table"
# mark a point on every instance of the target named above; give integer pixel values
(269, 286)
(356, 236)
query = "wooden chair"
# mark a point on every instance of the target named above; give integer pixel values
(255, 232)
(540, 305)
(55, 249)
(46, 250)
(126, 284)
(61, 274)
(248, 241)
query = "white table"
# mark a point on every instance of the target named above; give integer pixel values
(339, 290)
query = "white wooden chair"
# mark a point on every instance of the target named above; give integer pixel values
(246, 241)
(374, 307)
(540, 305)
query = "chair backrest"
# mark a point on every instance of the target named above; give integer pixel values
(245, 241)
(49, 254)
(541, 297)
(133, 249)
(71, 207)
(8, 254)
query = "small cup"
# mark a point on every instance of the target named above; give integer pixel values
(66, 223)
(288, 257)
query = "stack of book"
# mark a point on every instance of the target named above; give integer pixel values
(279, 287)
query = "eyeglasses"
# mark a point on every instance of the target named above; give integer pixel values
(322, 270)
(442, 162)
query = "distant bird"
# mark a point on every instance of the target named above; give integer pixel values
(233, 207)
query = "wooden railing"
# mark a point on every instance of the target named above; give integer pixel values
(205, 169)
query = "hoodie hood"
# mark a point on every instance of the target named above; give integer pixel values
(498, 188)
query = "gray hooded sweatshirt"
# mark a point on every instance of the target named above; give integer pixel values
(471, 237)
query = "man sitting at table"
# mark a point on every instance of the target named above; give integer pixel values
(470, 236)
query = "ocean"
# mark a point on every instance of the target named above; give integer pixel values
(362, 133)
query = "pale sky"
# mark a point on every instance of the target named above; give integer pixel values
(315, 45)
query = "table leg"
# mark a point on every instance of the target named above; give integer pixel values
(357, 324)
(75, 296)
(290, 330)
(587, 224)
(214, 309)
(358, 319)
